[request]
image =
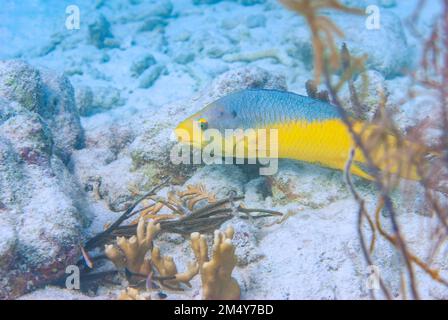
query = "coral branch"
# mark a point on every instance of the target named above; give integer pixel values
(216, 273)
(131, 253)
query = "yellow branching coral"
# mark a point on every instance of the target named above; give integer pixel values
(135, 251)
(185, 277)
(130, 253)
(166, 267)
(200, 248)
(140, 257)
(216, 273)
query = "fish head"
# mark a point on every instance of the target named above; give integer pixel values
(215, 116)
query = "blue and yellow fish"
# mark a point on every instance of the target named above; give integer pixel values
(308, 130)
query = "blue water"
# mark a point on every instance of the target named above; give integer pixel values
(26, 24)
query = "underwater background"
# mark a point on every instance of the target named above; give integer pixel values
(90, 92)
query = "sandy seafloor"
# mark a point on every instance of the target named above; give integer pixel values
(127, 119)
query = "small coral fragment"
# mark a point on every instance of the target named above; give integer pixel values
(216, 273)
(196, 193)
(131, 294)
(272, 53)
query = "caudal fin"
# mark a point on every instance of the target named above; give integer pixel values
(404, 158)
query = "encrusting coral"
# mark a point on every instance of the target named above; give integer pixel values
(216, 273)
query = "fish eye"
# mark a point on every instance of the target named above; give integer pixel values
(203, 124)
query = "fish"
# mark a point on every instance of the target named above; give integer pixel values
(308, 130)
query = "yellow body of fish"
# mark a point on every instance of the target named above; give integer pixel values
(328, 143)
(324, 141)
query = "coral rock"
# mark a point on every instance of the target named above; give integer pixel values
(99, 32)
(41, 206)
(48, 95)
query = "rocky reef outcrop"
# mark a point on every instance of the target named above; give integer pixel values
(41, 214)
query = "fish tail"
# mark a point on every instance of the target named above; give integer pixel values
(404, 158)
